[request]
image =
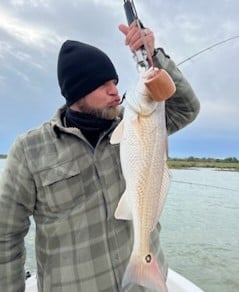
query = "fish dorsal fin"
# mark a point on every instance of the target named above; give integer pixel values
(117, 134)
(123, 211)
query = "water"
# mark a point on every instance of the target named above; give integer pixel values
(200, 228)
(200, 231)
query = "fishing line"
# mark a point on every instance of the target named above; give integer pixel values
(208, 48)
(204, 185)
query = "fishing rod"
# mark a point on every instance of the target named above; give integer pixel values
(204, 185)
(142, 56)
(160, 85)
(207, 49)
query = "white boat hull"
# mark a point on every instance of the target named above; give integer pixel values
(175, 283)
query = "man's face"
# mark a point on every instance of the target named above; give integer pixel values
(104, 101)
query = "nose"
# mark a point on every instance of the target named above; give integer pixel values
(112, 87)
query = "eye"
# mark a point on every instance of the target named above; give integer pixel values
(110, 82)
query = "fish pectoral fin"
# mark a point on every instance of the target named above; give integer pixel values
(123, 211)
(136, 126)
(117, 134)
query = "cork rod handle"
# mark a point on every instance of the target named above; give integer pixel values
(160, 86)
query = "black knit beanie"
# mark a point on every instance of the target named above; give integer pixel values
(81, 69)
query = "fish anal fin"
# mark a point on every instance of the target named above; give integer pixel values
(123, 211)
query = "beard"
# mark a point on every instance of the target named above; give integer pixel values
(109, 113)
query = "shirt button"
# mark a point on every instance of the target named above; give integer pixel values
(117, 257)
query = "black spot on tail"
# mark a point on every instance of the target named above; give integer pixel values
(148, 258)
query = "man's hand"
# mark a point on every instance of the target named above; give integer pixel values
(133, 37)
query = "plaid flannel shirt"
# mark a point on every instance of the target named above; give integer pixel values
(72, 191)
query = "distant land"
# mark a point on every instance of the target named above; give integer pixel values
(230, 163)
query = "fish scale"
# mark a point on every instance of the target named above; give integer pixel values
(142, 136)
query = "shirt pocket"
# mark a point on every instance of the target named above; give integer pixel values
(62, 186)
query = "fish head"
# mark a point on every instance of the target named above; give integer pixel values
(138, 97)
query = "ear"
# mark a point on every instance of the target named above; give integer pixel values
(117, 134)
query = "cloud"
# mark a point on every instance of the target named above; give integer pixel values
(32, 31)
(31, 3)
(23, 32)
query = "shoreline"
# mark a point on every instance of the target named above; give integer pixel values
(203, 163)
(227, 164)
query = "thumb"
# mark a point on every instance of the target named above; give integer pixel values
(123, 28)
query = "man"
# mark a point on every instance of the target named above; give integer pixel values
(68, 176)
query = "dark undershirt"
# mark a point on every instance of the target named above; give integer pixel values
(91, 126)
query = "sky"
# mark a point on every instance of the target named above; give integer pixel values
(32, 31)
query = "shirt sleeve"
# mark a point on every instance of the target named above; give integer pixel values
(183, 107)
(17, 202)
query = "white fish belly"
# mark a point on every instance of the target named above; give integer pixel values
(143, 158)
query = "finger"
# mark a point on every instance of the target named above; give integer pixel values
(146, 31)
(124, 29)
(133, 24)
(133, 34)
(128, 30)
(137, 37)
(138, 43)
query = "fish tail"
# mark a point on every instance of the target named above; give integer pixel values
(144, 272)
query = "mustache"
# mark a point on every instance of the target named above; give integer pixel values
(106, 113)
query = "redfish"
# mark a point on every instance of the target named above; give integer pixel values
(142, 135)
